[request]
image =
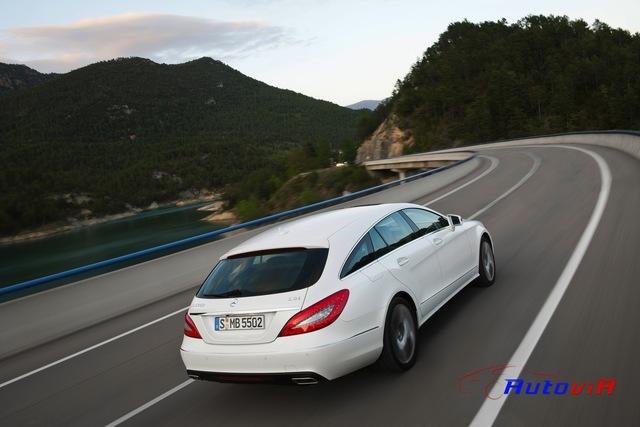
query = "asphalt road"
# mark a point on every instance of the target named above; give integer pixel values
(545, 200)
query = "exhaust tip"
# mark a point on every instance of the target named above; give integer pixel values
(304, 380)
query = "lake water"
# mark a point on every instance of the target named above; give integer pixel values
(35, 258)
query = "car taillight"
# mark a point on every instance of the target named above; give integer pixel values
(319, 315)
(190, 329)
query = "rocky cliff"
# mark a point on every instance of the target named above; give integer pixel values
(388, 140)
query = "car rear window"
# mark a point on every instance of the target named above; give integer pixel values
(263, 273)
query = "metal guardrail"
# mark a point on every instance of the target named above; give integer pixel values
(207, 236)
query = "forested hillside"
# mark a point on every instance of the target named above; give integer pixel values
(16, 76)
(494, 80)
(130, 131)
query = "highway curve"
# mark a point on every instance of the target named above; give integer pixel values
(538, 202)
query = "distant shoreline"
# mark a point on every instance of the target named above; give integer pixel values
(57, 228)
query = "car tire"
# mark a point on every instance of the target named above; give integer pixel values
(400, 339)
(486, 263)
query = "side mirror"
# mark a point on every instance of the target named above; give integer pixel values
(454, 220)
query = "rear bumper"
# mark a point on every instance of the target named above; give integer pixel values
(298, 378)
(281, 360)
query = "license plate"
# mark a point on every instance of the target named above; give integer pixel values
(238, 323)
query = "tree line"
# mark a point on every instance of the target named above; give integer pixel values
(129, 132)
(540, 75)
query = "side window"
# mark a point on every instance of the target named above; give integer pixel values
(359, 257)
(378, 242)
(426, 220)
(393, 229)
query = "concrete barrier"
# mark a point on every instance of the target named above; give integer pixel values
(624, 140)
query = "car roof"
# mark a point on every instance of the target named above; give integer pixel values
(314, 231)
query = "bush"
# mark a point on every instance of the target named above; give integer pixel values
(249, 209)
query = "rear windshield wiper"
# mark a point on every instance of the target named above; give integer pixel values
(228, 294)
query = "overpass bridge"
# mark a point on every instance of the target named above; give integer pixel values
(404, 165)
(562, 211)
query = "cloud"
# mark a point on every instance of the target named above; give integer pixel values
(161, 37)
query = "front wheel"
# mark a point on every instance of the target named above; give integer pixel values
(400, 338)
(487, 264)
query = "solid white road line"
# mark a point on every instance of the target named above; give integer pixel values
(494, 163)
(149, 403)
(491, 407)
(93, 347)
(534, 168)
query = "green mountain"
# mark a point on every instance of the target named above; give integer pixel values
(493, 80)
(15, 76)
(130, 131)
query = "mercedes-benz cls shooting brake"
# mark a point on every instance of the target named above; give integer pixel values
(318, 297)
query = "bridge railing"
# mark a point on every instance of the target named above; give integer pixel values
(205, 237)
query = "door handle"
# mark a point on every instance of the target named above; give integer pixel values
(437, 241)
(402, 260)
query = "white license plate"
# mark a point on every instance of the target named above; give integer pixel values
(238, 323)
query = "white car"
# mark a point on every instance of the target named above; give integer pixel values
(324, 295)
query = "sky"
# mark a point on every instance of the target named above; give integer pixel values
(341, 51)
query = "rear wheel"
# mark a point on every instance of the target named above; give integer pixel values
(400, 338)
(487, 264)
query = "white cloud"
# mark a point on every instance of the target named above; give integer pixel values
(160, 37)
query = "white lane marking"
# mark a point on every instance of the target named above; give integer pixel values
(534, 168)
(491, 407)
(494, 163)
(93, 347)
(149, 404)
